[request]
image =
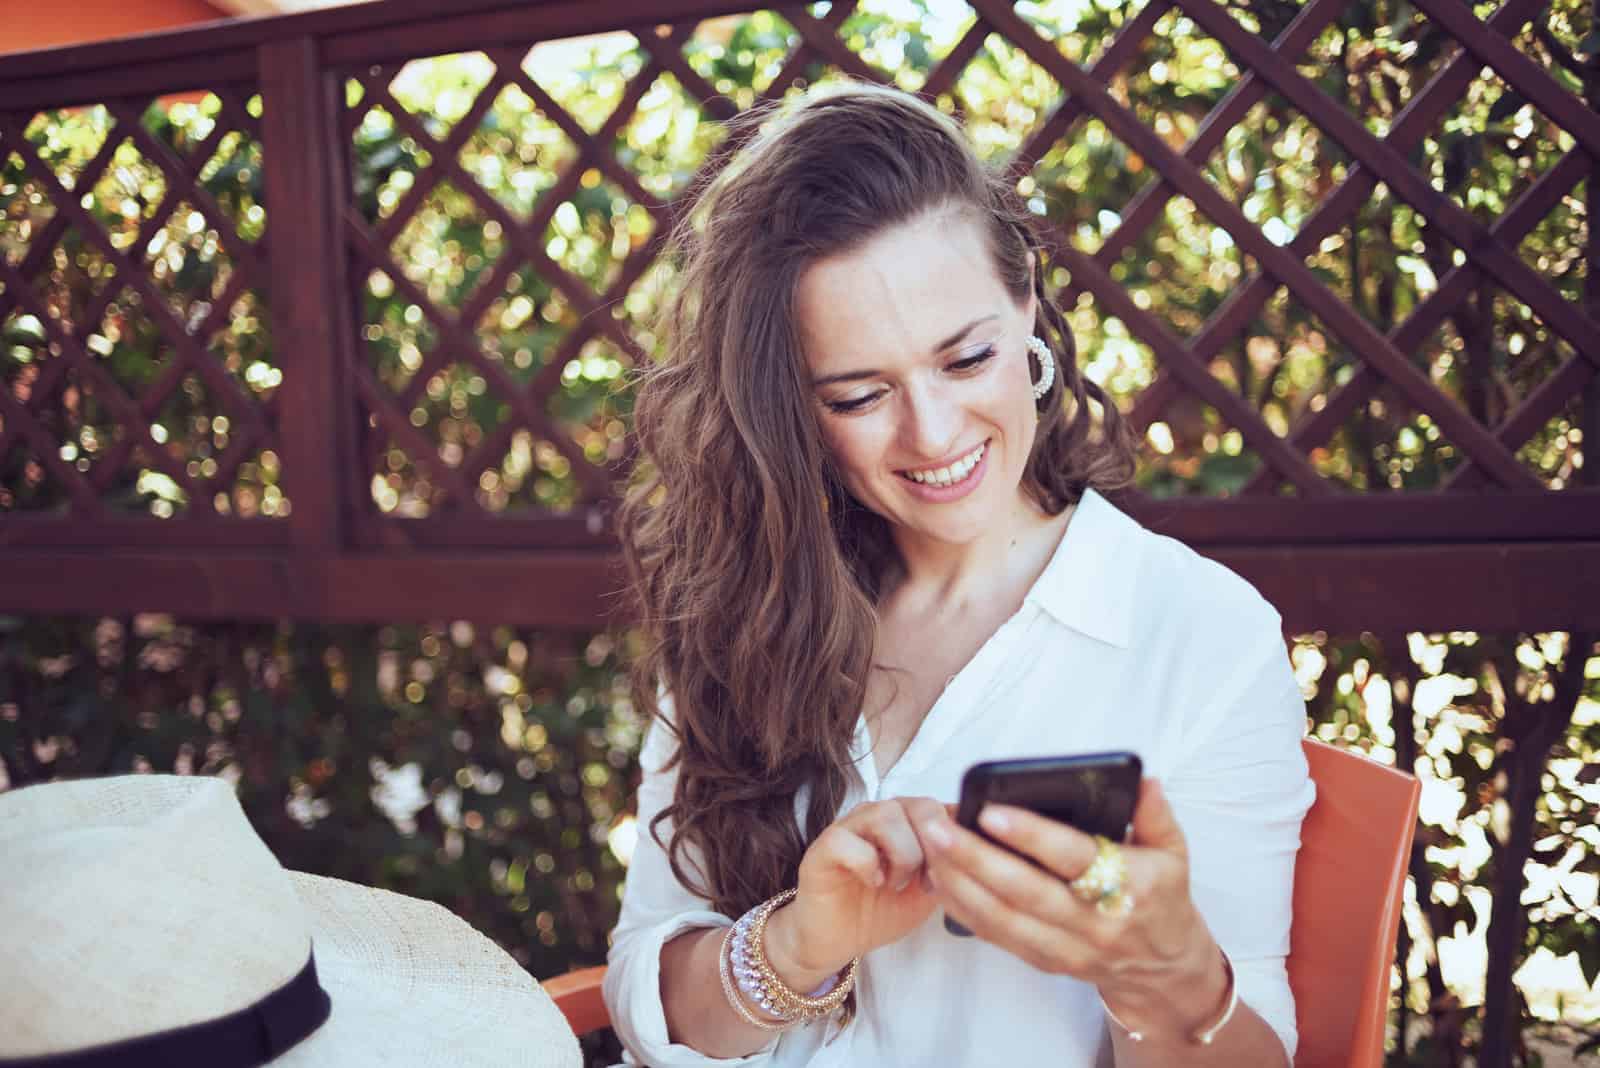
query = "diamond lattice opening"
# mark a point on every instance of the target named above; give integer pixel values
(26, 484)
(668, 139)
(129, 345)
(1555, 452)
(385, 162)
(907, 45)
(188, 264)
(1084, 33)
(448, 245)
(1081, 181)
(1182, 269)
(1192, 451)
(127, 199)
(65, 141)
(188, 433)
(71, 274)
(517, 152)
(233, 177)
(1291, 365)
(1387, 445)
(255, 488)
(586, 76)
(644, 303)
(532, 476)
(23, 354)
(1555, 247)
(1001, 96)
(402, 487)
(242, 346)
(1386, 262)
(440, 90)
(457, 411)
(741, 56)
(397, 335)
(524, 324)
(1112, 355)
(1277, 166)
(1490, 146)
(83, 421)
(25, 210)
(590, 405)
(595, 230)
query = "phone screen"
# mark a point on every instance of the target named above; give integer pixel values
(1094, 792)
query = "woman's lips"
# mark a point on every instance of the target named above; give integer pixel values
(929, 491)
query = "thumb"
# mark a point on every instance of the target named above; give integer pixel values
(1154, 825)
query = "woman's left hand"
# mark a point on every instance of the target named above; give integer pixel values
(1157, 955)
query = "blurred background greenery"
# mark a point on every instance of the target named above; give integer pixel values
(489, 767)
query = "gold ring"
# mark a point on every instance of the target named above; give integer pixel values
(1101, 883)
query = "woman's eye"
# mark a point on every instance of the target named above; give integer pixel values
(854, 404)
(972, 363)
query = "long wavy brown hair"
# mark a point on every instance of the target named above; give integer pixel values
(756, 574)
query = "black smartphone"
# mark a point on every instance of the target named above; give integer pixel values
(1094, 792)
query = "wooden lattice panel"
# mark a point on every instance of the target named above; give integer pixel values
(139, 371)
(463, 282)
(414, 374)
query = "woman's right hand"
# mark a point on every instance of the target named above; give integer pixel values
(860, 887)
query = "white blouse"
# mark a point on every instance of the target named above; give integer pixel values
(1127, 640)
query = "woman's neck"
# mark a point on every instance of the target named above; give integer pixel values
(1004, 560)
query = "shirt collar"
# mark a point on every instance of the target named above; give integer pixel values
(1090, 581)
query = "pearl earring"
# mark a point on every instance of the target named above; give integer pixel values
(1047, 366)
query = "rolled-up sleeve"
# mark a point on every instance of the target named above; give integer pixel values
(656, 908)
(1240, 792)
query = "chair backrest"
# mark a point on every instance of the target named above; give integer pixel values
(1355, 848)
(577, 995)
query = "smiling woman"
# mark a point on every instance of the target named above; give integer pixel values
(872, 548)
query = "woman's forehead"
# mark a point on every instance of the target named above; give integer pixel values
(903, 290)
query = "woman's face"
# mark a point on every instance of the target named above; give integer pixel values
(919, 367)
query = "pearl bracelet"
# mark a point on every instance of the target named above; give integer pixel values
(733, 997)
(1200, 1036)
(753, 979)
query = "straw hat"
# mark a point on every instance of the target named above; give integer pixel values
(139, 905)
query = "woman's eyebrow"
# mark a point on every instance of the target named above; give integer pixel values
(954, 339)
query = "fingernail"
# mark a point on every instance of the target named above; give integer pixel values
(937, 835)
(993, 820)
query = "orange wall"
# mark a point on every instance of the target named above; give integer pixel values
(27, 24)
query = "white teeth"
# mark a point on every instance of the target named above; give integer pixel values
(949, 476)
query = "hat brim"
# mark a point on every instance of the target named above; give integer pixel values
(412, 984)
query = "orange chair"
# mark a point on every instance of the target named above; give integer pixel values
(1350, 875)
(1348, 881)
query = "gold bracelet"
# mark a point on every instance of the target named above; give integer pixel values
(1200, 1036)
(733, 997)
(749, 959)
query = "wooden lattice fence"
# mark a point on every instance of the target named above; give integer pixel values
(329, 408)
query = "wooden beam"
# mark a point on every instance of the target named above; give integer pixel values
(306, 186)
(1340, 589)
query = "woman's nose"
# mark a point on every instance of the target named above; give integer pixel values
(931, 422)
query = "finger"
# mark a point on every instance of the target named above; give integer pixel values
(1007, 876)
(890, 832)
(842, 848)
(1059, 848)
(993, 919)
(1154, 824)
(918, 809)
